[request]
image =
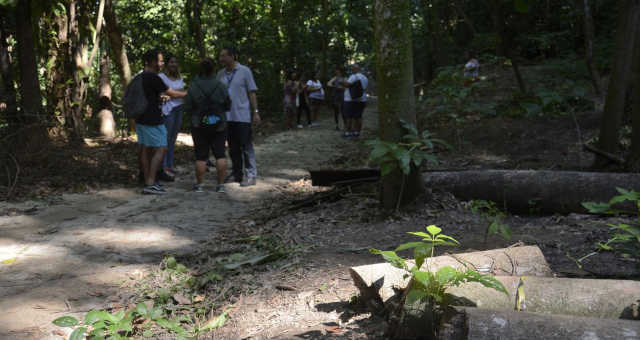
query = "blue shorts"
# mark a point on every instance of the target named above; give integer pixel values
(154, 136)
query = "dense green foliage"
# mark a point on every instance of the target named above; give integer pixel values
(277, 35)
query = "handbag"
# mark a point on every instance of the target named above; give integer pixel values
(356, 90)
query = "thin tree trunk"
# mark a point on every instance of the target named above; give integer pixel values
(459, 8)
(193, 11)
(8, 93)
(105, 115)
(395, 76)
(589, 35)
(58, 92)
(325, 41)
(29, 82)
(431, 38)
(628, 16)
(506, 40)
(634, 158)
(78, 21)
(118, 51)
(498, 24)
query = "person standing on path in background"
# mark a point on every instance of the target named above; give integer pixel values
(316, 97)
(152, 134)
(303, 103)
(172, 110)
(289, 101)
(244, 110)
(355, 98)
(208, 102)
(338, 96)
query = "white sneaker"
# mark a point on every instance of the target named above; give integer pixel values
(300, 126)
(315, 124)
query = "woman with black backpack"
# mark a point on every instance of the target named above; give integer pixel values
(207, 101)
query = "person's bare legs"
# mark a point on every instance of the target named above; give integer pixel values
(201, 168)
(221, 169)
(144, 163)
(157, 156)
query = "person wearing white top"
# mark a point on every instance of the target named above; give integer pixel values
(354, 107)
(172, 111)
(316, 97)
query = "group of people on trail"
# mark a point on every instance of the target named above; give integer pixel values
(348, 100)
(222, 107)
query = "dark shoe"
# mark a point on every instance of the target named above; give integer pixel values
(153, 190)
(248, 182)
(220, 188)
(198, 188)
(231, 179)
(164, 176)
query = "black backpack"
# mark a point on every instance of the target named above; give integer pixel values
(134, 102)
(212, 111)
(356, 91)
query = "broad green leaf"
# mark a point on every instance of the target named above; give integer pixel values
(391, 257)
(433, 230)
(404, 160)
(424, 278)
(597, 208)
(92, 317)
(216, 322)
(442, 236)
(420, 234)
(66, 321)
(415, 295)
(421, 253)
(142, 309)
(409, 245)
(488, 281)
(522, 6)
(171, 262)
(78, 334)
(493, 228)
(445, 275)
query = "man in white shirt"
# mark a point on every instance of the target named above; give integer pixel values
(244, 110)
(355, 98)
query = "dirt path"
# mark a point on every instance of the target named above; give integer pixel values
(66, 255)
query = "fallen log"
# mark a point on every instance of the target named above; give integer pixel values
(330, 177)
(609, 299)
(379, 282)
(481, 324)
(578, 297)
(529, 191)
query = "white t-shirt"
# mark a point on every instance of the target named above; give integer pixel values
(316, 94)
(365, 83)
(177, 85)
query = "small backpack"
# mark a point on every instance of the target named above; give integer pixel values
(356, 91)
(212, 111)
(134, 102)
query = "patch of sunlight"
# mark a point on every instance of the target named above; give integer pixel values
(185, 139)
(132, 237)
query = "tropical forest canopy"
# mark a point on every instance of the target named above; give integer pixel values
(64, 62)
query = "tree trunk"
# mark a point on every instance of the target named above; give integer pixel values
(78, 22)
(482, 324)
(634, 158)
(6, 71)
(29, 82)
(395, 76)
(116, 44)
(628, 16)
(459, 8)
(193, 12)
(589, 36)
(499, 26)
(105, 115)
(431, 38)
(505, 41)
(58, 92)
(118, 51)
(379, 282)
(529, 191)
(324, 64)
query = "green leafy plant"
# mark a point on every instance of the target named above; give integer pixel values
(428, 285)
(625, 238)
(414, 150)
(493, 215)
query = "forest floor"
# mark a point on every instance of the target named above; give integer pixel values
(276, 256)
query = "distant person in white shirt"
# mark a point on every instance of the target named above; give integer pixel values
(355, 98)
(316, 96)
(472, 68)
